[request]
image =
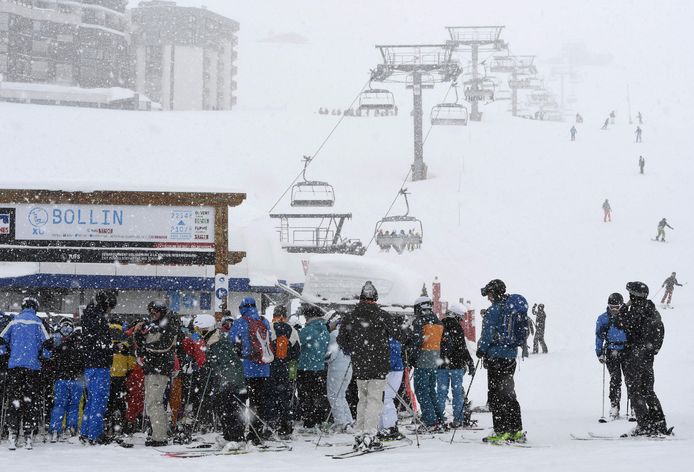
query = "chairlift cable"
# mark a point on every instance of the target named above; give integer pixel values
(320, 148)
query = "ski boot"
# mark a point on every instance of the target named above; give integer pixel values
(614, 412)
(497, 438)
(358, 442)
(371, 443)
(29, 441)
(12, 442)
(54, 437)
(390, 434)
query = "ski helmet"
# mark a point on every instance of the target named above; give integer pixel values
(66, 327)
(637, 289)
(423, 305)
(310, 311)
(615, 299)
(495, 288)
(30, 302)
(157, 306)
(368, 292)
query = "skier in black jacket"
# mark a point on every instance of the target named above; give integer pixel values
(364, 335)
(645, 332)
(98, 357)
(456, 361)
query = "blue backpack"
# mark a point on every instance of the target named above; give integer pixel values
(514, 330)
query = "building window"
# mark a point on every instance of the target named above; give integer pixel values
(4, 22)
(63, 73)
(38, 26)
(65, 38)
(39, 47)
(39, 70)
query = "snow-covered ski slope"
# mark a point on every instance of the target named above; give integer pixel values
(506, 198)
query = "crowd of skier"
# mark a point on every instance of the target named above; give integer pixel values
(98, 379)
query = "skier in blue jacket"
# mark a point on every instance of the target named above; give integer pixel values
(25, 336)
(609, 346)
(256, 373)
(312, 374)
(500, 361)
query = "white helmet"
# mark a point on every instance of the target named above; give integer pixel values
(204, 322)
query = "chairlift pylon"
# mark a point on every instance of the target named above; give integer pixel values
(448, 113)
(405, 233)
(312, 193)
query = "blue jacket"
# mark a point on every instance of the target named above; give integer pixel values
(489, 343)
(314, 339)
(396, 363)
(240, 334)
(25, 336)
(608, 336)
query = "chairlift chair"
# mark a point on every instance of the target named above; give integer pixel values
(376, 99)
(479, 90)
(312, 193)
(503, 64)
(449, 113)
(400, 232)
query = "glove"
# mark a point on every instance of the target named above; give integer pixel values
(602, 359)
(479, 354)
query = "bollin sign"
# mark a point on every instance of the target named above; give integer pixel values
(140, 234)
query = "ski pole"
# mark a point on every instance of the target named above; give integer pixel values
(327, 418)
(202, 400)
(253, 413)
(602, 418)
(472, 379)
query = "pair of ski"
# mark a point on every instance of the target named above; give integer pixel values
(606, 437)
(207, 450)
(362, 452)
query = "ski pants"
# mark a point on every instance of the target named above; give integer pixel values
(155, 386)
(280, 408)
(607, 216)
(389, 417)
(338, 381)
(454, 379)
(312, 389)
(257, 393)
(67, 394)
(425, 389)
(661, 234)
(227, 405)
(23, 395)
(615, 366)
(667, 296)
(506, 412)
(539, 340)
(640, 380)
(370, 404)
(117, 403)
(98, 383)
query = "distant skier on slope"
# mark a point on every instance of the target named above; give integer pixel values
(640, 117)
(642, 163)
(609, 347)
(540, 322)
(638, 134)
(661, 230)
(573, 133)
(607, 211)
(607, 122)
(669, 285)
(612, 116)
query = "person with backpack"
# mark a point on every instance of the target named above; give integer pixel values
(98, 358)
(253, 336)
(339, 378)
(156, 346)
(645, 333)
(540, 323)
(427, 331)
(67, 366)
(25, 336)
(287, 350)
(504, 329)
(669, 286)
(456, 361)
(225, 373)
(609, 347)
(364, 335)
(312, 376)
(573, 133)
